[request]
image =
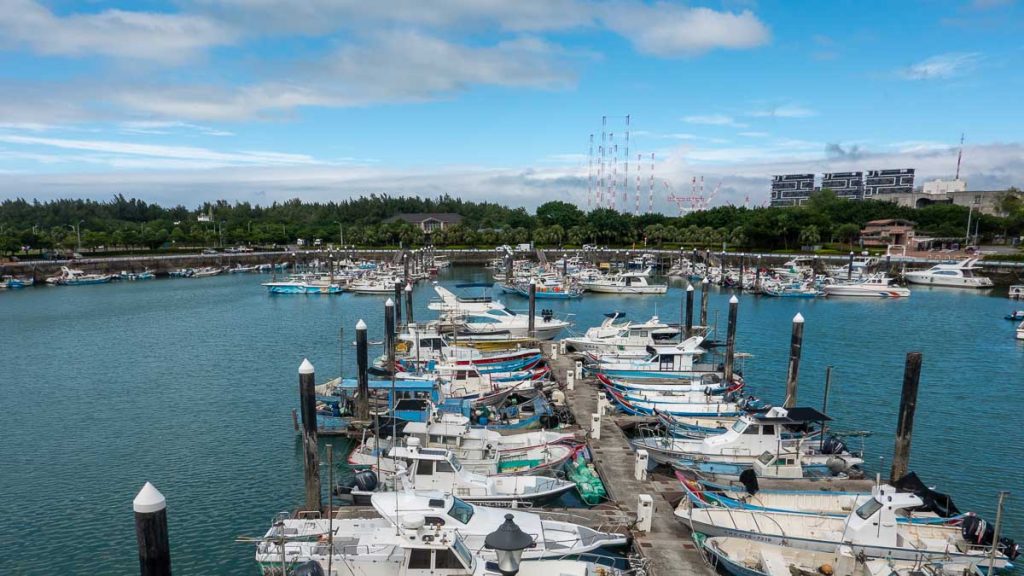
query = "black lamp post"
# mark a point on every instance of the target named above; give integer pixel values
(508, 542)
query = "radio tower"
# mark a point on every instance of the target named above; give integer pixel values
(625, 171)
(614, 182)
(600, 170)
(650, 188)
(590, 173)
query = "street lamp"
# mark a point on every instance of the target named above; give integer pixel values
(508, 543)
(341, 233)
(78, 233)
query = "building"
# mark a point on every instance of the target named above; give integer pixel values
(984, 201)
(890, 231)
(844, 184)
(430, 221)
(944, 186)
(791, 189)
(878, 182)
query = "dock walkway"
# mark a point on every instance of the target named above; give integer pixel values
(667, 546)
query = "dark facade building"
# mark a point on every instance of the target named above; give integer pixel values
(791, 189)
(899, 181)
(844, 184)
(428, 222)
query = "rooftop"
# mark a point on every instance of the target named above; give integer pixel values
(417, 218)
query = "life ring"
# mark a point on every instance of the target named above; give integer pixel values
(401, 347)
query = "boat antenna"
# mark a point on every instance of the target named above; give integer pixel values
(959, 155)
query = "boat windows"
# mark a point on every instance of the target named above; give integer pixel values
(738, 426)
(463, 552)
(419, 559)
(868, 509)
(447, 560)
(433, 521)
(766, 458)
(461, 511)
(768, 429)
(424, 468)
(752, 429)
(444, 467)
(456, 464)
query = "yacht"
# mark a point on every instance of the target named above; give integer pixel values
(875, 286)
(302, 287)
(373, 286)
(622, 338)
(1020, 331)
(624, 283)
(959, 275)
(72, 277)
(482, 316)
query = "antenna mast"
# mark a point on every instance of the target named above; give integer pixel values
(650, 188)
(590, 173)
(959, 155)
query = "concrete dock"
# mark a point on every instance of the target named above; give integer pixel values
(667, 546)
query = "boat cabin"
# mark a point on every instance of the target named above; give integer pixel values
(678, 358)
(760, 433)
(427, 468)
(874, 521)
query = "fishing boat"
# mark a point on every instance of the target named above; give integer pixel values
(15, 282)
(959, 275)
(70, 277)
(792, 291)
(545, 290)
(710, 409)
(1016, 315)
(479, 449)
(441, 470)
(623, 338)
(624, 283)
(875, 286)
(239, 269)
(1020, 331)
(134, 276)
(708, 384)
(374, 285)
(207, 271)
(482, 315)
(301, 287)
(408, 546)
(1016, 292)
(870, 530)
(662, 361)
(743, 557)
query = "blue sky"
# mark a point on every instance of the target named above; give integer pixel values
(323, 99)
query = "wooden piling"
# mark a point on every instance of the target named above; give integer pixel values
(689, 310)
(408, 303)
(399, 287)
(905, 424)
(743, 271)
(310, 449)
(405, 269)
(532, 331)
(849, 267)
(150, 508)
(704, 285)
(389, 328)
(362, 374)
(730, 341)
(757, 276)
(796, 344)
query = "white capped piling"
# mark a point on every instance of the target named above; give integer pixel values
(150, 508)
(757, 276)
(362, 373)
(644, 512)
(905, 424)
(399, 290)
(796, 344)
(408, 303)
(730, 340)
(689, 310)
(389, 328)
(579, 369)
(311, 459)
(704, 285)
(570, 379)
(595, 425)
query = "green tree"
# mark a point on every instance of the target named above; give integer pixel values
(847, 233)
(809, 236)
(561, 213)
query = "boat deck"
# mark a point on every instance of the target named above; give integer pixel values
(667, 547)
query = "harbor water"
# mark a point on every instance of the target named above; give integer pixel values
(190, 384)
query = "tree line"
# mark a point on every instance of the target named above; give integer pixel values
(123, 224)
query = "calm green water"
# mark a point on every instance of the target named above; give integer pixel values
(189, 384)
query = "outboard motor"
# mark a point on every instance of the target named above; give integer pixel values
(310, 568)
(366, 480)
(833, 445)
(749, 480)
(979, 532)
(836, 465)
(547, 314)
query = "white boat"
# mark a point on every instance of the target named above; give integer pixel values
(1016, 292)
(486, 316)
(207, 271)
(859, 268)
(479, 449)
(438, 469)
(622, 338)
(959, 275)
(875, 286)
(870, 530)
(378, 547)
(73, 277)
(380, 285)
(743, 557)
(624, 283)
(1020, 331)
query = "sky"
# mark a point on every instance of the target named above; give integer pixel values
(258, 100)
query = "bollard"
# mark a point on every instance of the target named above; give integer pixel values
(150, 508)
(730, 339)
(532, 326)
(757, 276)
(408, 304)
(399, 289)
(640, 465)
(689, 310)
(905, 424)
(579, 370)
(570, 379)
(561, 347)
(311, 461)
(602, 402)
(389, 329)
(796, 345)
(554, 351)
(704, 285)
(595, 426)
(362, 374)
(644, 512)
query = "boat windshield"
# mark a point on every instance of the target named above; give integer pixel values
(463, 552)
(455, 463)
(739, 426)
(868, 509)
(461, 511)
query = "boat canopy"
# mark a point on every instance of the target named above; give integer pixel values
(795, 415)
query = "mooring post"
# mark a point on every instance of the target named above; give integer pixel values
(405, 266)
(996, 532)
(689, 309)
(408, 303)
(849, 267)
(595, 426)
(704, 284)
(570, 379)
(399, 287)
(757, 276)
(508, 269)
(389, 328)
(796, 344)
(150, 508)
(311, 461)
(905, 424)
(743, 271)
(824, 403)
(362, 374)
(730, 340)
(532, 328)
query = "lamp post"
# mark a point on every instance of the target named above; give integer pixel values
(341, 234)
(78, 234)
(508, 543)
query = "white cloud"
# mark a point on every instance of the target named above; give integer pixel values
(664, 29)
(942, 66)
(163, 127)
(169, 38)
(784, 111)
(714, 120)
(755, 134)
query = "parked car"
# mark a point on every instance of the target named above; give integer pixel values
(209, 251)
